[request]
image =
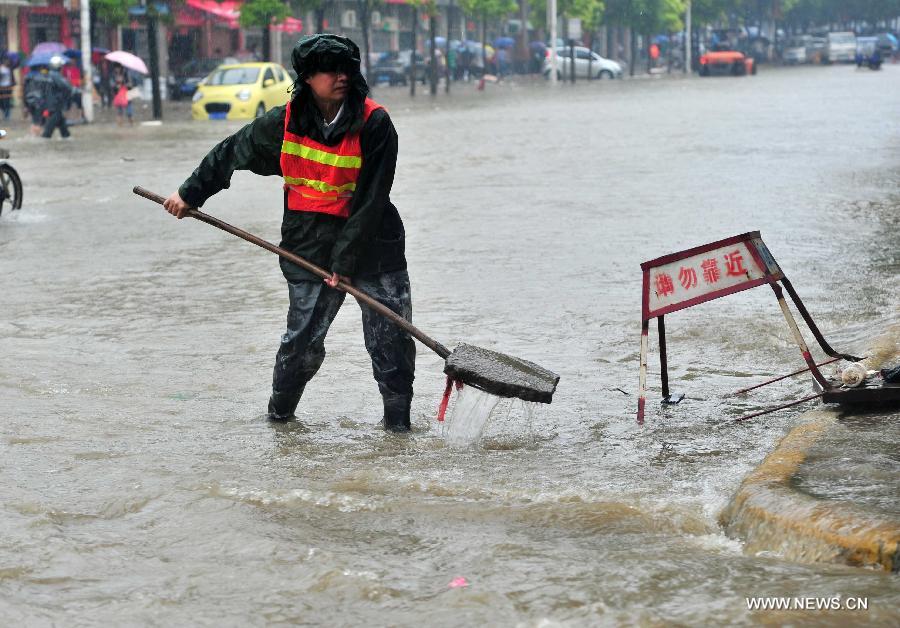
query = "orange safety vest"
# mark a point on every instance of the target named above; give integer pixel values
(319, 178)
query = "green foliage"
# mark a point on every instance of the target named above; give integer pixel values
(827, 11)
(488, 8)
(113, 12)
(711, 11)
(301, 7)
(426, 7)
(589, 11)
(646, 16)
(261, 13)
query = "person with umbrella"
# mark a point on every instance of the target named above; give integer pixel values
(122, 84)
(538, 54)
(58, 97)
(336, 150)
(123, 62)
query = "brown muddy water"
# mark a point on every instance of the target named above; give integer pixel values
(141, 485)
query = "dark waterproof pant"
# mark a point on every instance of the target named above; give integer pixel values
(313, 306)
(56, 119)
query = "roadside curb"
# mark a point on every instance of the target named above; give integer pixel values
(770, 515)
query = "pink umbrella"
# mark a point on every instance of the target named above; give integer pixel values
(127, 60)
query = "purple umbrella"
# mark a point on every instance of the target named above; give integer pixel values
(48, 48)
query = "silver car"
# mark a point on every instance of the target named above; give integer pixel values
(795, 50)
(585, 61)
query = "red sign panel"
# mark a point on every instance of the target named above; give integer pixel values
(680, 280)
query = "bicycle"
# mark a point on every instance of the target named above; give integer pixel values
(10, 182)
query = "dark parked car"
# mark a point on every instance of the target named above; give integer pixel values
(184, 82)
(393, 68)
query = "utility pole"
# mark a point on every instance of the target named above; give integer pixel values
(432, 32)
(551, 19)
(152, 40)
(87, 81)
(688, 44)
(412, 54)
(447, 47)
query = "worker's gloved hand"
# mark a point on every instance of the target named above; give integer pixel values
(335, 279)
(176, 206)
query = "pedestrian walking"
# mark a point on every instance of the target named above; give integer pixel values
(36, 88)
(121, 101)
(7, 84)
(465, 62)
(58, 97)
(452, 56)
(336, 150)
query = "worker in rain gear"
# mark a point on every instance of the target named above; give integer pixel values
(336, 150)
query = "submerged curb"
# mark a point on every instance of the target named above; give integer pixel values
(770, 515)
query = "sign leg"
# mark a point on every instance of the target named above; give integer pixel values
(798, 337)
(642, 386)
(663, 363)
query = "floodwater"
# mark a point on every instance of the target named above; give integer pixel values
(143, 486)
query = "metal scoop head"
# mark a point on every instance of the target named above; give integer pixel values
(501, 374)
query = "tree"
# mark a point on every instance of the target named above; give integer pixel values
(365, 8)
(262, 14)
(487, 9)
(113, 12)
(415, 4)
(823, 12)
(645, 17)
(302, 7)
(430, 9)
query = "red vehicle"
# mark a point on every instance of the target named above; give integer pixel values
(726, 62)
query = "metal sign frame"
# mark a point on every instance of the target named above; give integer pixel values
(762, 269)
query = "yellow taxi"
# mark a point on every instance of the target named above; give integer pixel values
(240, 91)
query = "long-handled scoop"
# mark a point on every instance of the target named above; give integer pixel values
(496, 373)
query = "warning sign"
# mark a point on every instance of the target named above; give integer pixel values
(674, 282)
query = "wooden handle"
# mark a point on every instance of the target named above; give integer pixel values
(382, 309)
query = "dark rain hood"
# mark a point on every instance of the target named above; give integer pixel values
(325, 52)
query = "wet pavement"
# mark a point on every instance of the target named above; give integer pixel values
(142, 482)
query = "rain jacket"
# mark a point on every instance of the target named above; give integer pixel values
(36, 88)
(369, 242)
(58, 94)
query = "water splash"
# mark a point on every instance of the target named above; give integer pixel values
(512, 427)
(22, 216)
(469, 417)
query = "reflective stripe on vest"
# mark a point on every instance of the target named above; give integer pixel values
(321, 178)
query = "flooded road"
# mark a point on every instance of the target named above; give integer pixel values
(142, 484)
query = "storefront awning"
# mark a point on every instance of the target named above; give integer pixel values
(289, 25)
(227, 11)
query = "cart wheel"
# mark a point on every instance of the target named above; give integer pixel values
(10, 188)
